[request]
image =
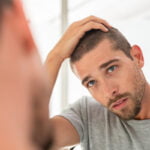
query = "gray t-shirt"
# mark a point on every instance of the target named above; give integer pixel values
(100, 129)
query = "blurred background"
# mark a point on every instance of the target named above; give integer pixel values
(48, 19)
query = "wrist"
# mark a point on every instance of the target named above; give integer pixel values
(54, 55)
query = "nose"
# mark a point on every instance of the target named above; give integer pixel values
(110, 89)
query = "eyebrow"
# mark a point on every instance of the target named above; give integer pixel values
(104, 65)
(86, 79)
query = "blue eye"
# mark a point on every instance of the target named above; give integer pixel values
(111, 69)
(91, 83)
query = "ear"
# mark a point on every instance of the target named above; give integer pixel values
(137, 55)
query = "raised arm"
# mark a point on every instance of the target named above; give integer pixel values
(64, 133)
(67, 43)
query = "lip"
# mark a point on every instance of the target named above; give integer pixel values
(120, 103)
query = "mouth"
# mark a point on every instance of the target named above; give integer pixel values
(119, 104)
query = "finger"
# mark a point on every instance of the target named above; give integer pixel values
(94, 25)
(94, 19)
(89, 27)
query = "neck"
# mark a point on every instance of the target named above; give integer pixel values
(145, 104)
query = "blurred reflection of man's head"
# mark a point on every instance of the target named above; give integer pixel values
(24, 92)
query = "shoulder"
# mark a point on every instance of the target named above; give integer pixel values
(90, 102)
(87, 106)
(95, 111)
(84, 106)
(85, 102)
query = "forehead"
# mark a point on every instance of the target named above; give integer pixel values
(102, 53)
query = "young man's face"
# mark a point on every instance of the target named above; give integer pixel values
(24, 89)
(113, 79)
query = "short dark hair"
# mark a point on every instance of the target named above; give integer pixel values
(93, 37)
(4, 4)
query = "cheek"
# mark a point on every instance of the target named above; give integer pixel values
(125, 79)
(98, 96)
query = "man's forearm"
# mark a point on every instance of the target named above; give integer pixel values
(52, 64)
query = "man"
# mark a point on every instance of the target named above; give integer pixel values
(117, 117)
(24, 92)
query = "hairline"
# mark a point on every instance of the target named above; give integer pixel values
(113, 47)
